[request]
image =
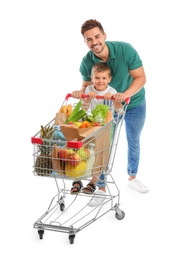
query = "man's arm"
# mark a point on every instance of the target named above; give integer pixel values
(139, 80)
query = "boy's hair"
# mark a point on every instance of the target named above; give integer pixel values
(90, 24)
(100, 67)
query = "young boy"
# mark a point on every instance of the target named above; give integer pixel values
(101, 77)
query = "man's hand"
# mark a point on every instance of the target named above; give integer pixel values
(120, 97)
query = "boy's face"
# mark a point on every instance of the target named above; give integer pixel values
(95, 40)
(101, 80)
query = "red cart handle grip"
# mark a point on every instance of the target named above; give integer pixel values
(127, 100)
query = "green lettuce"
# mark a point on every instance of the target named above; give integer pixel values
(99, 113)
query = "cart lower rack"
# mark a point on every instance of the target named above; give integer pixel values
(70, 213)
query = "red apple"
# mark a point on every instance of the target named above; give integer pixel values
(74, 159)
(65, 153)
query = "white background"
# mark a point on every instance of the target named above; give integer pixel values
(40, 52)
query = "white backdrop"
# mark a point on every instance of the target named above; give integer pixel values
(40, 52)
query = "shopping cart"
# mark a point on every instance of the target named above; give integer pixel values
(69, 213)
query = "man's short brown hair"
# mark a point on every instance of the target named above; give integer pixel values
(90, 24)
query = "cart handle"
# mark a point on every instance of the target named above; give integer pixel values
(127, 100)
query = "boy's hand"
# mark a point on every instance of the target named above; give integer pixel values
(92, 95)
(108, 96)
(77, 94)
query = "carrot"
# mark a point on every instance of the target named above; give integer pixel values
(85, 124)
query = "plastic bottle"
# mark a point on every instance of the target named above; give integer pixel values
(91, 160)
(58, 135)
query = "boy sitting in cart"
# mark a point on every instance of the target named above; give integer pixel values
(101, 77)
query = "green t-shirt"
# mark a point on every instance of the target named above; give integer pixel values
(122, 58)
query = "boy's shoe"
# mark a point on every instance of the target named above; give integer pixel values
(138, 186)
(97, 200)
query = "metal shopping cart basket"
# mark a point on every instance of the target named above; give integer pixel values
(71, 213)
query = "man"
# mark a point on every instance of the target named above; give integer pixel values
(128, 78)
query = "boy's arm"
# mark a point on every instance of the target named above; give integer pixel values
(87, 101)
(77, 93)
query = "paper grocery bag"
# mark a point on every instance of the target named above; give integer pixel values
(99, 135)
(60, 118)
(102, 148)
(73, 132)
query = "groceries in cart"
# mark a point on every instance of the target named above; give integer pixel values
(66, 149)
(81, 116)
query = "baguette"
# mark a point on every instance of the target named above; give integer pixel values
(56, 162)
(67, 110)
(108, 116)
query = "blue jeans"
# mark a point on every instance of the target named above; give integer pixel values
(134, 122)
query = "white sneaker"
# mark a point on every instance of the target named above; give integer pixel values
(138, 186)
(97, 200)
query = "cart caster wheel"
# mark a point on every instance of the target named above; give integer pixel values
(40, 233)
(71, 239)
(120, 215)
(62, 206)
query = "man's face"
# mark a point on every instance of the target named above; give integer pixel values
(95, 40)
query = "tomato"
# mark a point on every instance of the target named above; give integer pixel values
(96, 124)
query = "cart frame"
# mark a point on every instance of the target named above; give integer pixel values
(57, 216)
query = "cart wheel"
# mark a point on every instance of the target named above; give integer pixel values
(120, 215)
(71, 239)
(62, 206)
(41, 232)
